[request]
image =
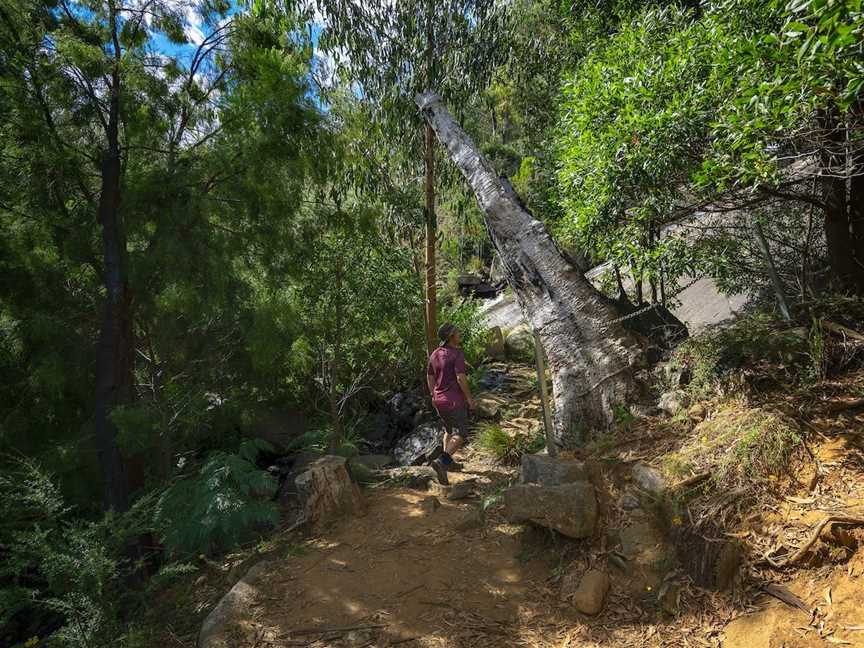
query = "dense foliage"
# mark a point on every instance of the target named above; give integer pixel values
(213, 216)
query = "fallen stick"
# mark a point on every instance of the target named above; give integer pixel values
(691, 481)
(814, 536)
(842, 330)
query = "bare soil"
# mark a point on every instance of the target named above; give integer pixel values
(461, 576)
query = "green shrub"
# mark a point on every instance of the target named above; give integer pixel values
(55, 566)
(466, 317)
(509, 448)
(218, 507)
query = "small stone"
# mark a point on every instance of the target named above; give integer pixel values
(415, 477)
(488, 407)
(697, 412)
(429, 505)
(469, 521)
(457, 491)
(590, 595)
(672, 402)
(648, 479)
(629, 502)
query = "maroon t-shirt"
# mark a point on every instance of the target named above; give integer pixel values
(444, 363)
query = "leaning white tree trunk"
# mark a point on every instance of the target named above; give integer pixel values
(591, 356)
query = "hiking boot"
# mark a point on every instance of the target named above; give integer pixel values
(440, 472)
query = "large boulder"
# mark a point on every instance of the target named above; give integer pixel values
(570, 509)
(551, 471)
(495, 347)
(421, 446)
(325, 491)
(519, 343)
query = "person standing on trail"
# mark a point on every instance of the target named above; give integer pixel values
(451, 396)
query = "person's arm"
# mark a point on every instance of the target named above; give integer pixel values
(462, 379)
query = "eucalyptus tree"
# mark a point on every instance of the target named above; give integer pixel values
(592, 356)
(391, 50)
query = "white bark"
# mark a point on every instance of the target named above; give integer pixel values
(592, 358)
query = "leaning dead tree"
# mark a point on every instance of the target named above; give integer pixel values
(592, 357)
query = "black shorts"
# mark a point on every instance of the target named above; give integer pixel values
(455, 421)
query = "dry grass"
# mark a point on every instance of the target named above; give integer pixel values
(741, 447)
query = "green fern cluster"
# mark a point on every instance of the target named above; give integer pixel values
(217, 508)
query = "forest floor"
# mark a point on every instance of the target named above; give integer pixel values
(462, 576)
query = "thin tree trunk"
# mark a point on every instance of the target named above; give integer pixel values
(591, 356)
(622, 293)
(114, 354)
(431, 220)
(838, 237)
(762, 244)
(431, 241)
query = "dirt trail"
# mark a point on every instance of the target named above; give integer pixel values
(461, 576)
(423, 576)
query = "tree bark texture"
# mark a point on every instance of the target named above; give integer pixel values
(431, 243)
(837, 216)
(114, 354)
(592, 357)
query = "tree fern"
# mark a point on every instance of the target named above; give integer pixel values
(218, 507)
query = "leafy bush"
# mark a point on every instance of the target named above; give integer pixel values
(466, 317)
(506, 447)
(218, 507)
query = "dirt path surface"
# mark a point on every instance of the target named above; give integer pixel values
(415, 572)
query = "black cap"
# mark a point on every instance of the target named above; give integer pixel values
(444, 332)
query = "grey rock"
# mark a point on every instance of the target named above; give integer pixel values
(374, 461)
(551, 471)
(570, 509)
(457, 491)
(519, 343)
(415, 477)
(629, 502)
(648, 479)
(422, 445)
(222, 625)
(495, 347)
(673, 402)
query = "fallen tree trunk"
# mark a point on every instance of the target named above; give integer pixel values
(592, 357)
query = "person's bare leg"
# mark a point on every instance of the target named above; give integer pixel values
(455, 442)
(447, 438)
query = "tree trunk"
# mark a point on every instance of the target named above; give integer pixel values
(431, 242)
(114, 354)
(762, 244)
(832, 179)
(592, 358)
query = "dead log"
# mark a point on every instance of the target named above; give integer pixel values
(592, 356)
